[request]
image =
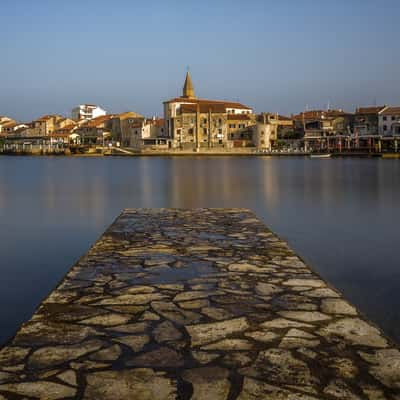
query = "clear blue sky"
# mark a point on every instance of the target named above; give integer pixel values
(276, 56)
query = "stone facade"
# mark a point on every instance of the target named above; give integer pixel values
(193, 123)
(122, 126)
(321, 123)
(389, 121)
(366, 120)
(95, 131)
(47, 125)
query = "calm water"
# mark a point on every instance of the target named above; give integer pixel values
(341, 215)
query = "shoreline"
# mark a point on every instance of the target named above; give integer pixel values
(207, 154)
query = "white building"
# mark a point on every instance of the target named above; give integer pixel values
(389, 121)
(87, 111)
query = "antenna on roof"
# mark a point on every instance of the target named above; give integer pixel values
(375, 101)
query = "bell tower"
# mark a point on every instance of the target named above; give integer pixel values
(188, 90)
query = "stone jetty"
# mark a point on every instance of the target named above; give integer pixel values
(196, 304)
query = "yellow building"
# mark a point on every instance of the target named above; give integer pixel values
(194, 123)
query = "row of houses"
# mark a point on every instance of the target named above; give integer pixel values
(192, 123)
(376, 120)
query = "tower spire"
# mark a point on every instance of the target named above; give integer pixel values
(188, 90)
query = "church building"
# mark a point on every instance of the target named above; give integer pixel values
(194, 123)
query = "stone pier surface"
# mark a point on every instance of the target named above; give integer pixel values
(200, 304)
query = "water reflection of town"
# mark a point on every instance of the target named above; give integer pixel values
(100, 188)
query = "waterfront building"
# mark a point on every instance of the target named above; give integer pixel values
(43, 126)
(7, 125)
(240, 131)
(389, 121)
(148, 134)
(325, 130)
(46, 125)
(87, 111)
(366, 120)
(284, 125)
(11, 127)
(122, 126)
(65, 133)
(194, 123)
(322, 123)
(94, 131)
(265, 134)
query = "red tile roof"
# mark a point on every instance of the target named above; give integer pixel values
(319, 114)
(47, 117)
(128, 114)
(203, 108)
(369, 110)
(159, 122)
(9, 124)
(227, 104)
(391, 111)
(95, 122)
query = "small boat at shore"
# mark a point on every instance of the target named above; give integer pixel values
(327, 155)
(391, 155)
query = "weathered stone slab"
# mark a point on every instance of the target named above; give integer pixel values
(206, 333)
(144, 384)
(208, 383)
(200, 304)
(40, 389)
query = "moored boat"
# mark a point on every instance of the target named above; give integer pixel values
(325, 155)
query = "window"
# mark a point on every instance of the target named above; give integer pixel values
(178, 131)
(384, 127)
(393, 118)
(220, 120)
(190, 131)
(384, 118)
(232, 126)
(204, 120)
(220, 131)
(205, 131)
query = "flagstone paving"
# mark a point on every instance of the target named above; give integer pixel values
(201, 304)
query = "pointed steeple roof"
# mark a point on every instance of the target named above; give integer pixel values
(188, 90)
